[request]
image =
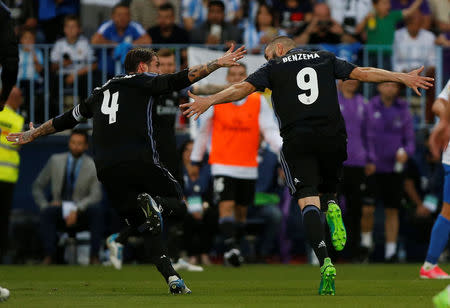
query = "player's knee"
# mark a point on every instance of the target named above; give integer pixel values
(305, 191)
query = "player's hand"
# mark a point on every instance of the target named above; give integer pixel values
(72, 218)
(370, 169)
(197, 107)
(231, 57)
(415, 81)
(22, 137)
(439, 138)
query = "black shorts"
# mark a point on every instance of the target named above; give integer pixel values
(124, 182)
(357, 186)
(313, 163)
(387, 188)
(241, 191)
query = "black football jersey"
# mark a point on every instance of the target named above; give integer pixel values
(123, 112)
(304, 94)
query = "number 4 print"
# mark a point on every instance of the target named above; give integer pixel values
(112, 109)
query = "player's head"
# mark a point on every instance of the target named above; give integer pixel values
(167, 63)
(382, 7)
(121, 16)
(78, 142)
(237, 73)
(72, 27)
(141, 60)
(278, 47)
(388, 91)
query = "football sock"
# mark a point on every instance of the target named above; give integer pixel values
(390, 249)
(366, 239)
(315, 231)
(160, 256)
(174, 238)
(439, 239)
(227, 227)
(428, 266)
(240, 232)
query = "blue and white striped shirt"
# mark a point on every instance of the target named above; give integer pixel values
(27, 70)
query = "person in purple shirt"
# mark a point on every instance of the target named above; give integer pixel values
(360, 161)
(390, 132)
(424, 9)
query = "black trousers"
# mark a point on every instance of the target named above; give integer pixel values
(6, 198)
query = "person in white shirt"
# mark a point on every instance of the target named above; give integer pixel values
(235, 131)
(349, 13)
(73, 57)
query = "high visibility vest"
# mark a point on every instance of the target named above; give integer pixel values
(235, 133)
(10, 122)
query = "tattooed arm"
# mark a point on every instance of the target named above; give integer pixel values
(32, 134)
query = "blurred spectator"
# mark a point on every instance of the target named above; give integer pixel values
(215, 30)
(195, 12)
(94, 13)
(360, 162)
(76, 56)
(413, 46)
(249, 9)
(31, 61)
(23, 13)
(380, 27)
(321, 29)
(259, 34)
(201, 222)
(10, 122)
(441, 11)
(294, 14)
(51, 16)
(424, 8)
(166, 31)
(266, 202)
(235, 129)
(120, 30)
(349, 13)
(75, 197)
(146, 12)
(390, 132)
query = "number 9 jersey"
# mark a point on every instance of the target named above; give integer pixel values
(304, 93)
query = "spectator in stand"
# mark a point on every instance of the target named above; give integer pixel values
(51, 16)
(294, 14)
(380, 27)
(31, 61)
(195, 12)
(23, 13)
(146, 12)
(424, 8)
(215, 30)
(440, 10)
(201, 222)
(360, 162)
(120, 30)
(76, 56)
(390, 132)
(166, 31)
(76, 194)
(349, 13)
(321, 29)
(94, 13)
(259, 34)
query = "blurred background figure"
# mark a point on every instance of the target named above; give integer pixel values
(51, 15)
(390, 133)
(75, 197)
(10, 121)
(166, 31)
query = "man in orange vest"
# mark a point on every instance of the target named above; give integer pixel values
(235, 132)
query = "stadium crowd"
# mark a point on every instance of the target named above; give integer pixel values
(389, 162)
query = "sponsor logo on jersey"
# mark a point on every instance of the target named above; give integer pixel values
(300, 56)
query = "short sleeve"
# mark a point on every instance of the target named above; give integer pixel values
(104, 27)
(55, 53)
(260, 79)
(396, 15)
(40, 56)
(137, 29)
(342, 68)
(445, 94)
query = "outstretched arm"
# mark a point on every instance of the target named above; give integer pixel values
(411, 79)
(201, 104)
(410, 10)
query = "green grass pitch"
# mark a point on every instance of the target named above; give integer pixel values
(380, 286)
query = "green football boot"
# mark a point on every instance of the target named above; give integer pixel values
(441, 300)
(328, 273)
(336, 224)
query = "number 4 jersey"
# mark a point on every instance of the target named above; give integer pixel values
(304, 95)
(123, 117)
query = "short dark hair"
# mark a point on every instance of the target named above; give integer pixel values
(81, 132)
(120, 4)
(136, 56)
(216, 3)
(165, 52)
(166, 6)
(72, 18)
